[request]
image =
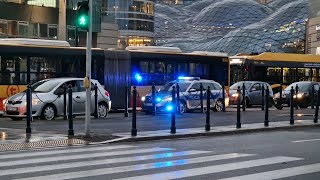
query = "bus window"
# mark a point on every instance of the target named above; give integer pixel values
(43, 68)
(160, 67)
(183, 69)
(169, 69)
(196, 69)
(143, 66)
(13, 69)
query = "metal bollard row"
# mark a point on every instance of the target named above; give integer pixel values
(70, 112)
(291, 106)
(223, 98)
(243, 97)
(315, 120)
(134, 112)
(201, 98)
(266, 117)
(173, 113)
(238, 108)
(262, 99)
(29, 109)
(207, 126)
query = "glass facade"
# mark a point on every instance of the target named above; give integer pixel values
(135, 19)
(233, 26)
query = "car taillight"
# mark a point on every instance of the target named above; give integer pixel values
(107, 93)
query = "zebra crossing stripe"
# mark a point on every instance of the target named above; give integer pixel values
(97, 162)
(61, 151)
(281, 173)
(156, 165)
(214, 169)
(79, 156)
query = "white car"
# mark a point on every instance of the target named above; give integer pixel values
(48, 99)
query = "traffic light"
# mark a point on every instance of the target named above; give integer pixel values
(83, 15)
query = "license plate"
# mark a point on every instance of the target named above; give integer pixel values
(12, 109)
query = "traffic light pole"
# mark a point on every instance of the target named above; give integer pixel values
(88, 72)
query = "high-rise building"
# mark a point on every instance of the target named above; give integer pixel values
(135, 19)
(313, 28)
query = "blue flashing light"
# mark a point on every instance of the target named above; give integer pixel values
(169, 108)
(138, 77)
(158, 99)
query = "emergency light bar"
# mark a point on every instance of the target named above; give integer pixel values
(188, 78)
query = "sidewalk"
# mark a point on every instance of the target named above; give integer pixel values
(16, 139)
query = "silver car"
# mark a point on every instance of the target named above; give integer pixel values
(48, 99)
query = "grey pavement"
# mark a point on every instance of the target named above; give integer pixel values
(286, 154)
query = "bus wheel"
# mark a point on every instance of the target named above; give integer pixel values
(219, 105)
(16, 118)
(102, 110)
(49, 112)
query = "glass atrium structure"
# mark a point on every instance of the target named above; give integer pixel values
(135, 19)
(233, 26)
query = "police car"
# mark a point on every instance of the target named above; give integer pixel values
(189, 94)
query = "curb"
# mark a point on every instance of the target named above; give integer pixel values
(216, 133)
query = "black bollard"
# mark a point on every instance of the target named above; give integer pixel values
(223, 98)
(70, 113)
(126, 112)
(153, 92)
(173, 113)
(280, 95)
(296, 101)
(238, 108)
(312, 97)
(95, 101)
(266, 117)
(178, 98)
(291, 106)
(263, 97)
(134, 112)
(317, 107)
(29, 109)
(243, 97)
(65, 102)
(201, 97)
(207, 127)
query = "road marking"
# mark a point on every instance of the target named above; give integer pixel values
(61, 151)
(97, 162)
(78, 156)
(281, 173)
(156, 165)
(306, 140)
(214, 169)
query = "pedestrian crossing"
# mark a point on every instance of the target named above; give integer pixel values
(130, 162)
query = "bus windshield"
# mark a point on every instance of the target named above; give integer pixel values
(168, 87)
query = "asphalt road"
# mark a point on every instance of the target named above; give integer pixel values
(291, 154)
(117, 123)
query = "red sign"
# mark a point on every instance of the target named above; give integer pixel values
(12, 90)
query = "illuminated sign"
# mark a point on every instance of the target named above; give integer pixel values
(312, 65)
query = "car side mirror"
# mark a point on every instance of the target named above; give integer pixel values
(192, 90)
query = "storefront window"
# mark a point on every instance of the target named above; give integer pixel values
(33, 29)
(23, 28)
(13, 28)
(53, 31)
(44, 30)
(3, 26)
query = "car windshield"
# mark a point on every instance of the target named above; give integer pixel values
(303, 86)
(44, 86)
(235, 86)
(168, 87)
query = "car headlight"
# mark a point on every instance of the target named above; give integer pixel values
(169, 98)
(35, 101)
(235, 95)
(299, 95)
(143, 98)
(4, 102)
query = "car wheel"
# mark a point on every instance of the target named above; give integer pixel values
(48, 112)
(183, 107)
(219, 105)
(16, 118)
(102, 110)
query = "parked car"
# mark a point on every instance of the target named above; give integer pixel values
(253, 92)
(304, 97)
(189, 95)
(48, 99)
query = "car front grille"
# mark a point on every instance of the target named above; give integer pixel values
(14, 102)
(12, 113)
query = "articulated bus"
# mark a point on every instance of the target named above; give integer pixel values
(275, 68)
(25, 61)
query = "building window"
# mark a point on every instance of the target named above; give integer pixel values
(44, 30)
(53, 31)
(13, 28)
(23, 28)
(34, 29)
(3, 26)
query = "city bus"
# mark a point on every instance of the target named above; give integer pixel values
(275, 68)
(25, 61)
